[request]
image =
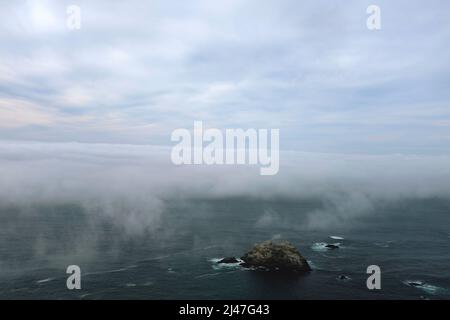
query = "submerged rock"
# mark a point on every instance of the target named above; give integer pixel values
(332, 246)
(271, 255)
(228, 260)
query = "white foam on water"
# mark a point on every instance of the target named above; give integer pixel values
(207, 275)
(428, 288)
(322, 246)
(44, 280)
(312, 265)
(319, 246)
(384, 244)
(130, 285)
(170, 270)
(110, 271)
(336, 238)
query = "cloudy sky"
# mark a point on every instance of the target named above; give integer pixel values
(137, 70)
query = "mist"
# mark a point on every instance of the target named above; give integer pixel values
(130, 186)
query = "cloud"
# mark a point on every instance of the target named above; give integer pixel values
(311, 69)
(16, 113)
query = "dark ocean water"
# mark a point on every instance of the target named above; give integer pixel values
(408, 240)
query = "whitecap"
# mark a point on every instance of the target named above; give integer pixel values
(385, 244)
(322, 246)
(130, 285)
(206, 275)
(312, 265)
(428, 288)
(319, 246)
(336, 238)
(44, 280)
(170, 270)
(110, 271)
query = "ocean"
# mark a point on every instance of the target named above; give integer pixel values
(409, 239)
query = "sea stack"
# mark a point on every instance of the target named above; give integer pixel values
(280, 255)
(229, 260)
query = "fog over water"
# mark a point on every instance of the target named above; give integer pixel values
(131, 184)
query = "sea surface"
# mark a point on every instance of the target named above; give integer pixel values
(177, 257)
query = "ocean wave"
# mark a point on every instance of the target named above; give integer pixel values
(336, 238)
(384, 244)
(312, 265)
(170, 270)
(110, 271)
(129, 285)
(44, 280)
(428, 288)
(207, 275)
(322, 246)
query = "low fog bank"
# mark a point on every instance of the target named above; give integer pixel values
(131, 185)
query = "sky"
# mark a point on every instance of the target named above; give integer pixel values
(137, 70)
